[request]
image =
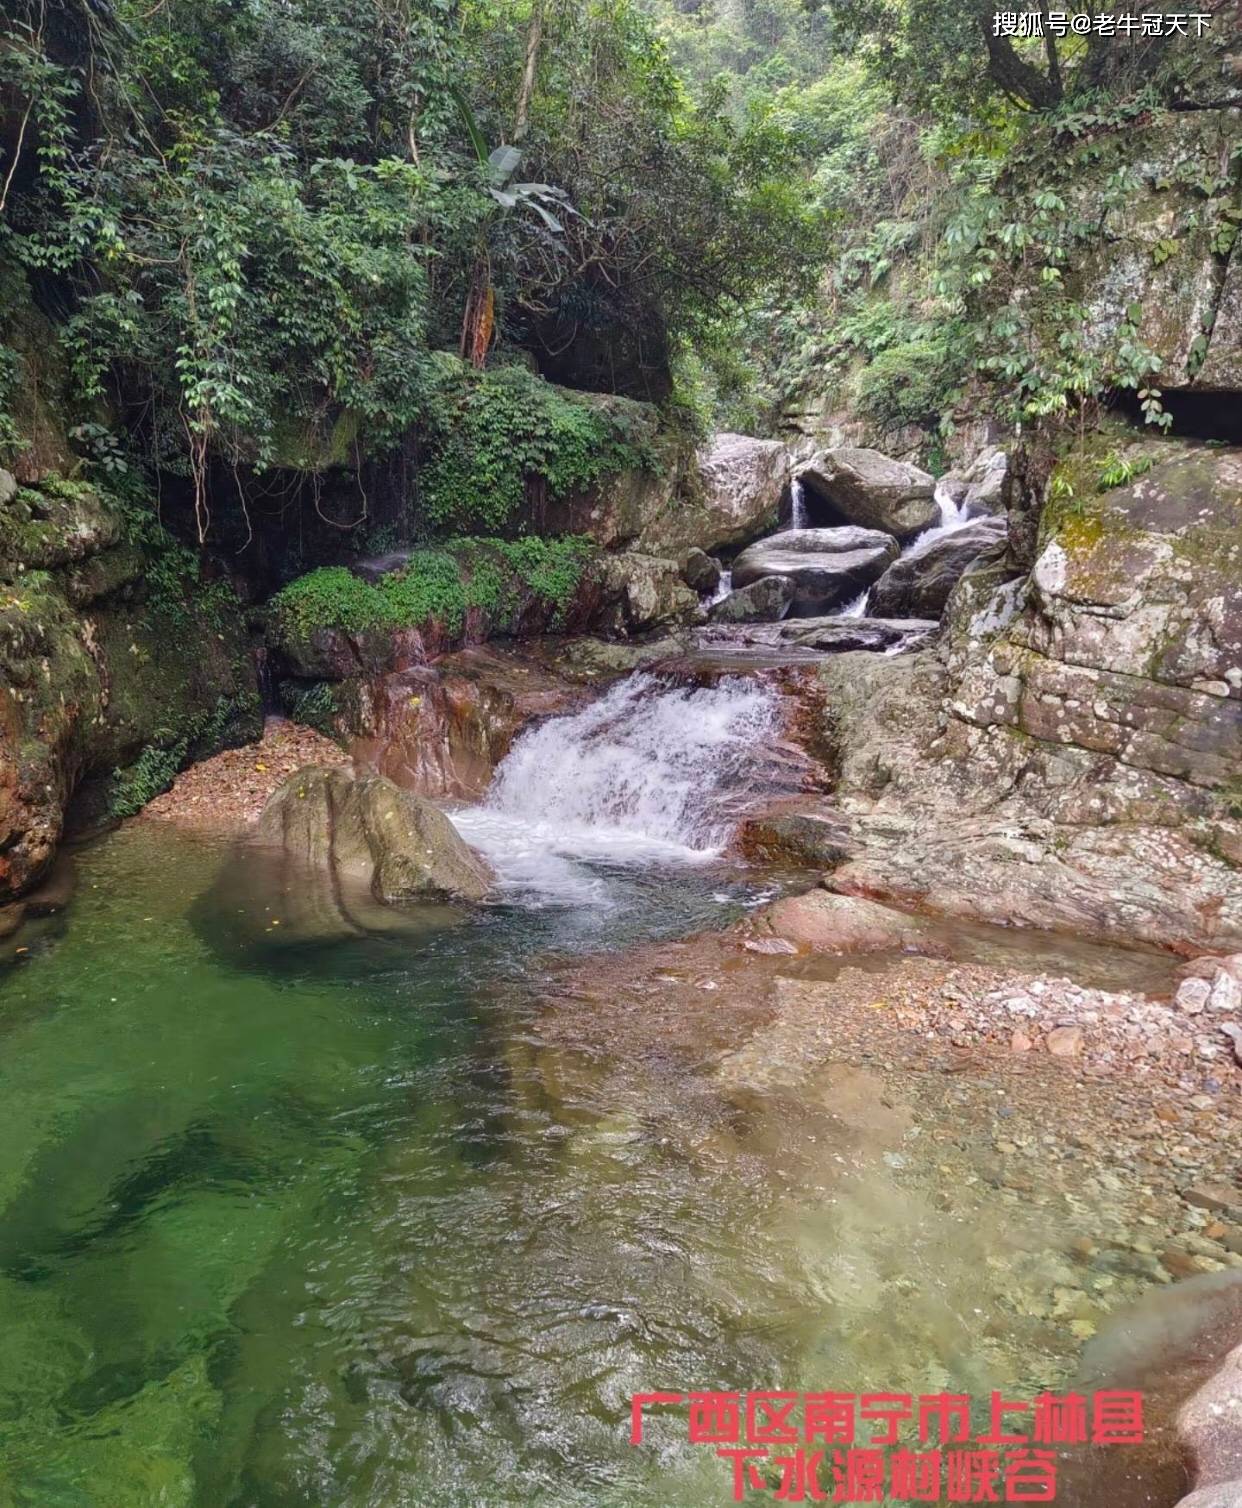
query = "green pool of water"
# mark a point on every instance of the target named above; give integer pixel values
(288, 1225)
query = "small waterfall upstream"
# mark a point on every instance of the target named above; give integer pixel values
(798, 518)
(650, 773)
(952, 518)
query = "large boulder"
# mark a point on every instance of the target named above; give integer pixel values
(918, 584)
(640, 592)
(825, 923)
(826, 566)
(632, 507)
(764, 601)
(741, 482)
(701, 572)
(727, 495)
(869, 489)
(369, 829)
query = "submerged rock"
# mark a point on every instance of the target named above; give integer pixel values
(919, 583)
(827, 923)
(841, 635)
(869, 489)
(369, 829)
(764, 601)
(1181, 1347)
(827, 566)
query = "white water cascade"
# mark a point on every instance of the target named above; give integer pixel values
(650, 773)
(856, 607)
(952, 518)
(797, 505)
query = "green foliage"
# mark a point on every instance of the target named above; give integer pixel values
(331, 597)
(915, 382)
(156, 767)
(263, 221)
(10, 376)
(314, 706)
(437, 585)
(152, 772)
(1118, 471)
(430, 588)
(505, 430)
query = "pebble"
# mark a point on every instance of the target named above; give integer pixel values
(1065, 1041)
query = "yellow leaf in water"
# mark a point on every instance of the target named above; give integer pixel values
(879, 1005)
(416, 701)
(260, 767)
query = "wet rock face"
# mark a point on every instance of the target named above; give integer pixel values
(918, 584)
(94, 674)
(827, 566)
(442, 730)
(367, 829)
(871, 490)
(1191, 304)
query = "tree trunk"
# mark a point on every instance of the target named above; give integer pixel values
(534, 36)
(1018, 78)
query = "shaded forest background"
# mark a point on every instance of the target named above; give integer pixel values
(265, 242)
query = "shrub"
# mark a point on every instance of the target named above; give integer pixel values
(505, 427)
(440, 584)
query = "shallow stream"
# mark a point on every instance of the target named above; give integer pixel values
(340, 1223)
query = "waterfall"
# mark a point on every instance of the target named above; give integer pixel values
(857, 607)
(652, 772)
(724, 587)
(797, 505)
(952, 518)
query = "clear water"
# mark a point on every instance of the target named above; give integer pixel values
(377, 1220)
(284, 1224)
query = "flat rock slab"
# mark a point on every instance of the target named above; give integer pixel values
(827, 566)
(823, 635)
(839, 635)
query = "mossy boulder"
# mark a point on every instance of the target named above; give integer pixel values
(114, 670)
(337, 623)
(368, 829)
